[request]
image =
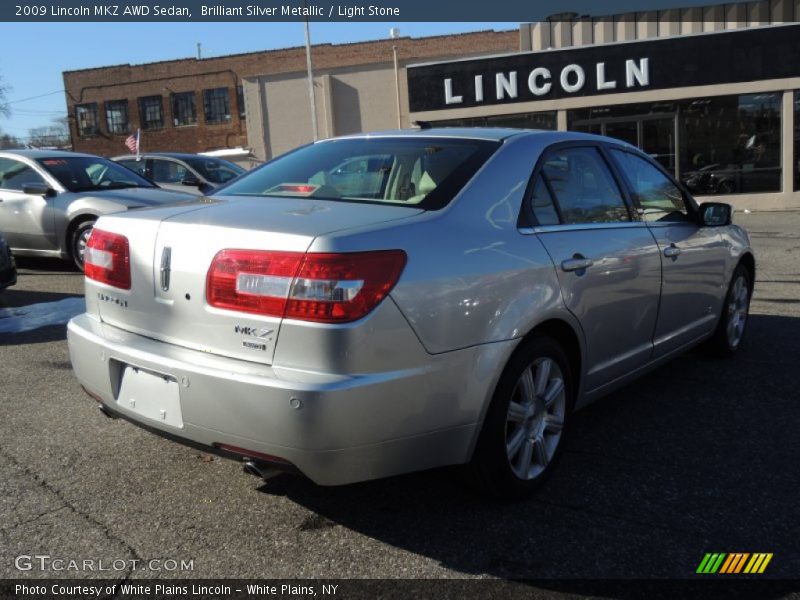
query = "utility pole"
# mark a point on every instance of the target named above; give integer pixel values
(311, 95)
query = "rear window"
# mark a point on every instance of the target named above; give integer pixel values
(424, 172)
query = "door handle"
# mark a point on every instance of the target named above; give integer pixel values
(576, 263)
(672, 251)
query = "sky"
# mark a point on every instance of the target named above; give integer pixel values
(33, 55)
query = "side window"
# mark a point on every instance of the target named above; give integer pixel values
(542, 203)
(166, 171)
(584, 187)
(14, 174)
(655, 196)
(134, 165)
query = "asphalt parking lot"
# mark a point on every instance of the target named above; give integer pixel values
(699, 456)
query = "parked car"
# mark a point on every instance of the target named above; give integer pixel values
(49, 200)
(182, 172)
(8, 268)
(459, 311)
(733, 179)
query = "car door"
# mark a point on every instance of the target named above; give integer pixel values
(607, 263)
(27, 220)
(692, 257)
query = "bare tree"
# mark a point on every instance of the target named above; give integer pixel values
(5, 110)
(55, 135)
(10, 142)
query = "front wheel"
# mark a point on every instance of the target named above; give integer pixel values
(728, 337)
(78, 240)
(525, 423)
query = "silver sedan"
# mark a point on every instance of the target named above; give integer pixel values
(49, 200)
(456, 306)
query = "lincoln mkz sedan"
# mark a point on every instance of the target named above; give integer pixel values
(455, 308)
(49, 200)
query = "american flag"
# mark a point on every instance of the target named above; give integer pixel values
(132, 142)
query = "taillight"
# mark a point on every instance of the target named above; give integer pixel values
(107, 259)
(326, 288)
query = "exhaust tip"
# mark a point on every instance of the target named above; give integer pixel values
(259, 471)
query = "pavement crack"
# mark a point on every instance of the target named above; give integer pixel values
(32, 519)
(103, 527)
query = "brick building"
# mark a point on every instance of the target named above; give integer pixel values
(191, 105)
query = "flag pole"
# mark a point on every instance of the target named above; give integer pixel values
(138, 144)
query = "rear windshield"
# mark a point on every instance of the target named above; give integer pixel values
(424, 172)
(215, 170)
(91, 173)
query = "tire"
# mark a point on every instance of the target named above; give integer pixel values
(729, 334)
(523, 433)
(77, 242)
(726, 187)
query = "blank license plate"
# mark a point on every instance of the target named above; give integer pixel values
(151, 395)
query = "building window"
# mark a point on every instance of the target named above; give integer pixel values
(184, 111)
(718, 145)
(86, 119)
(217, 107)
(240, 101)
(117, 116)
(797, 141)
(537, 120)
(151, 112)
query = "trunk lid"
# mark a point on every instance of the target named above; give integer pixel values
(172, 306)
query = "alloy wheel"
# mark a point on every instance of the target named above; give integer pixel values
(535, 418)
(738, 305)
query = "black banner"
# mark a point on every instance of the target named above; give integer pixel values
(388, 11)
(725, 57)
(372, 589)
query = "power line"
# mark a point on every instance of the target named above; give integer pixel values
(35, 97)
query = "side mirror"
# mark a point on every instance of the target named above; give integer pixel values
(38, 189)
(192, 181)
(715, 214)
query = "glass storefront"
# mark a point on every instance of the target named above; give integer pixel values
(717, 145)
(797, 141)
(537, 120)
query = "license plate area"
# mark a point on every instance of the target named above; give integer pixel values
(152, 395)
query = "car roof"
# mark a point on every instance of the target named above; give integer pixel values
(497, 134)
(34, 154)
(178, 155)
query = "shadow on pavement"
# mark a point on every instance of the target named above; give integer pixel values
(46, 264)
(698, 456)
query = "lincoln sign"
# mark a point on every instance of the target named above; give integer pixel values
(693, 60)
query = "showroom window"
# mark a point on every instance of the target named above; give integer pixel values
(797, 141)
(184, 111)
(86, 118)
(151, 112)
(538, 120)
(117, 116)
(731, 144)
(217, 107)
(717, 146)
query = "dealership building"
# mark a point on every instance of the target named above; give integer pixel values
(712, 93)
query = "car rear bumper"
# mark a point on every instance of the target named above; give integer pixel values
(334, 429)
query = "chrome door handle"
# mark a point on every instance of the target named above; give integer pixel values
(672, 251)
(576, 264)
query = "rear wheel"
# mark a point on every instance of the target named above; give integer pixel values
(729, 335)
(526, 421)
(78, 239)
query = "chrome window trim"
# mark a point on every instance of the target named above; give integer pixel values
(580, 227)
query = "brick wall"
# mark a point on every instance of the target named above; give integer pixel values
(164, 78)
